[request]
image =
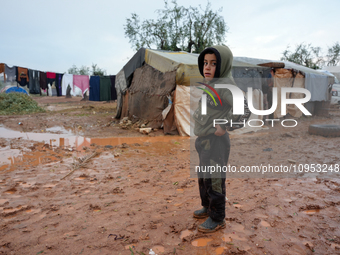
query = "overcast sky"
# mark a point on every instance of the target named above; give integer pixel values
(53, 35)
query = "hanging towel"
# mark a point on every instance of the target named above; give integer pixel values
(65, 81)
(82, 82)
(94, 88)
(10, 73)
(105, 88)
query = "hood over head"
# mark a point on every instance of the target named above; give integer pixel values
(224, 58)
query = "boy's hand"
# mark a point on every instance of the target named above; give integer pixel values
(219, 131)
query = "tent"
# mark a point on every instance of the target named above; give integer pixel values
(335, 70)
(10, 89)
(144, 83)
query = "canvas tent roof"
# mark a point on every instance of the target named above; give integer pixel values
(185, 64)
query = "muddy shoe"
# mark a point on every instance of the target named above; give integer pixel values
(211, 226)
(200, 214)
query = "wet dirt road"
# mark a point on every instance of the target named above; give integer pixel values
(137, 194)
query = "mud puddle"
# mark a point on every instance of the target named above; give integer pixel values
(60, 137)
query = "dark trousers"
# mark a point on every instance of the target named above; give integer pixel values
(213, 150)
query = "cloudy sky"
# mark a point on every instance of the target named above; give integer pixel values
(53, 35)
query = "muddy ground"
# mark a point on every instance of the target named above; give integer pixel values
(136, 193)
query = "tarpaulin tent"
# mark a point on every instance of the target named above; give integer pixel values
(15, 90)
(335, 70)
(150, 76)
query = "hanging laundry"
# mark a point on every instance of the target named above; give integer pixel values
(43, 81)
(34, 82)
(82, 82)
(2, 68)
(58, 79)
(10, 73)
(94, 88)
(113, 88)
(50, 77)
(22, 76)
(105, 88)
(65, 81)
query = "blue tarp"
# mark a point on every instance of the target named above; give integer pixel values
(16, 90)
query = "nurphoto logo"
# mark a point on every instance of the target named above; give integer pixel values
(238, 104)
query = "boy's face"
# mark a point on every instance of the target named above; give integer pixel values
(209, 67)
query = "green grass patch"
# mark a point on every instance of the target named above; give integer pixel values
(18, 103)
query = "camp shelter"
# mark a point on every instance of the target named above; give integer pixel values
(144, 83)
(147, 79)
(335, 70)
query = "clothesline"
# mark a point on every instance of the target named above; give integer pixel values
(36, 81)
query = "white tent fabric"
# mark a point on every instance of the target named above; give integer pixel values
(182, 109)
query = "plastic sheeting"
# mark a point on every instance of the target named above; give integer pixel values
(317, 84)
(16, 90)
(284, 78)
(135, 62)
(247, 77)
(258, 104)
(148, 94)
(185, 123)
(184, 63)
(121, 89)
(182, 109)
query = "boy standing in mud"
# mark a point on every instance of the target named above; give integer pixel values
(213, 144)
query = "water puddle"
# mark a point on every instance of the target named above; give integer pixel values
(33, 211)
(58, 130)
(80, 178)
(49, 186)
(180, 191)
(185, 233)
(10, 191)
(237, 227)
(60, 137)
(201, 242)
(11, 210)
(27, 184)
(311, 212)
(220, 250)
(230, 238)
(265, 224)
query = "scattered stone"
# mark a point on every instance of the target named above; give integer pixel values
(124, 145)
(145, 131)
(292, 161)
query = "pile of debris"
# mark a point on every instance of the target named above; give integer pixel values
(140, 125)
